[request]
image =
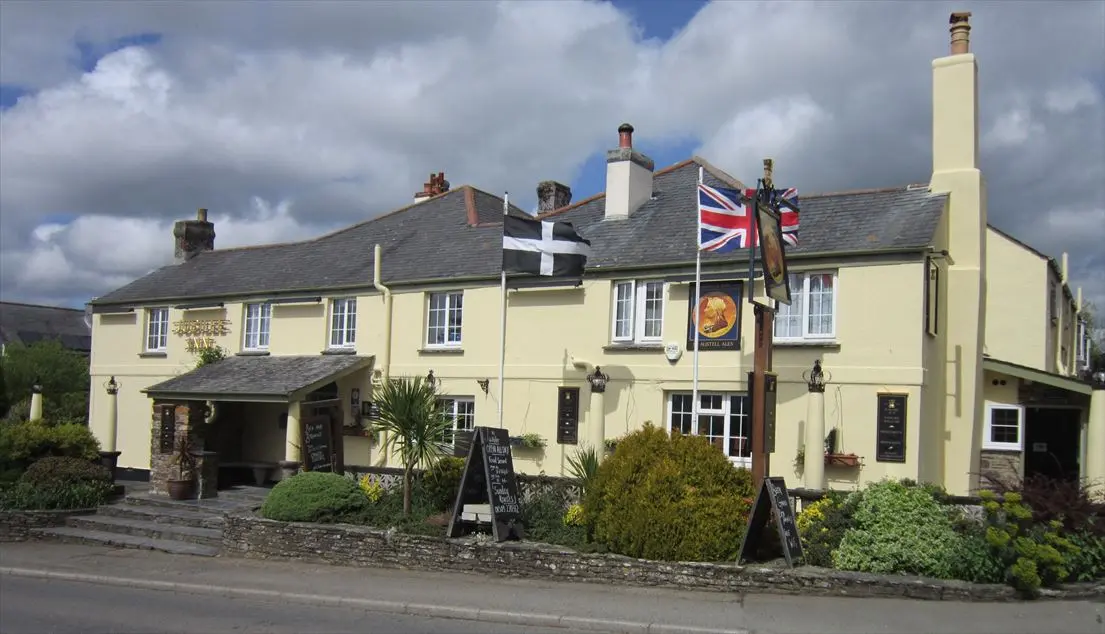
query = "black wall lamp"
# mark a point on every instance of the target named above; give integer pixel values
(597, 380)
(816, 378)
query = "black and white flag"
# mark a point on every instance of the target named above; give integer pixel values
(540, 247)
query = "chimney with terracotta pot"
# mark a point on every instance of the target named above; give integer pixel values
(552, 195)
(628, 176)
(961, 32)
(436, 186)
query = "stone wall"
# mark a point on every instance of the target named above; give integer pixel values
(15, 526)
(247, 535)
(999, 466)
(188, 419)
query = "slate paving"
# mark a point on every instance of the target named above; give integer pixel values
(147, 521)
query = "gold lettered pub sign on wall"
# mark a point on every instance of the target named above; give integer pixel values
(200, 333)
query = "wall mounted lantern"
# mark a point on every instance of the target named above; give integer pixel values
(597, 380)
(816, 378)
(112, 386)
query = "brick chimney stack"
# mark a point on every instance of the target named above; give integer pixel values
(552, 195)
(192, 237)
(961, 32)
(436, 186)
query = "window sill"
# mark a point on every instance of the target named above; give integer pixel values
(339, 351)
(1003, 448)
(442, 350)
(153, 355)
(806, 343)
(252, 353)
(633, 347)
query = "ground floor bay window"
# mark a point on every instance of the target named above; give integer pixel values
(724, 419)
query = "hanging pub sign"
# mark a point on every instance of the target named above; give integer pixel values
(489, 479)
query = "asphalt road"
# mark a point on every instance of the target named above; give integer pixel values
(35, 606)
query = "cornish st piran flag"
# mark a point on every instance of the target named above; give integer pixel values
(541, 247)
(724, 222)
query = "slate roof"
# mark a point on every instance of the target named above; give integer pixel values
(458, 235)
(257, 376)
(28, 323)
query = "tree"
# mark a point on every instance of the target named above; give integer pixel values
(415, 425)
(62, 373)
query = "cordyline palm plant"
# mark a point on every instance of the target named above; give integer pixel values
(415, 425)
(584, 465)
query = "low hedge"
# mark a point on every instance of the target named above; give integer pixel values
(313, 496)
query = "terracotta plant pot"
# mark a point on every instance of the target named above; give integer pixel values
(182, 489)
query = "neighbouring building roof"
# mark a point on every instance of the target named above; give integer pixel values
(28, 323)
(457, 235)
(258, 378)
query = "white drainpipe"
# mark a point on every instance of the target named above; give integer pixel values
(385, 357)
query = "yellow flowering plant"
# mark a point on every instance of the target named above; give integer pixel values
(372, 489)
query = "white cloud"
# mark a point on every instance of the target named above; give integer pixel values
(333, 112)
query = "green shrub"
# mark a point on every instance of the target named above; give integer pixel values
(1088, 562)
(24, 443)
(61, 470)
(315, 496)
(673, 498)
(900, 529)
(1032, 555)
(28, 497)
(441, 481)
(543, 516)
(822, 526)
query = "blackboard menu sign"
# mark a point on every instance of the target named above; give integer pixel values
(772, 501)
(317, 446)
(489, 479)
(890, 427)
(167, 429)
(567, 416)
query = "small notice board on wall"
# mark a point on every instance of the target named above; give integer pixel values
(772, 502)
(890, 426)
(489, 479)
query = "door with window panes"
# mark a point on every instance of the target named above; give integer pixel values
(724, 419)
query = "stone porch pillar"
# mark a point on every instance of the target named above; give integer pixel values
(596, 415)
(1095, 439)
(36, 401)
(293, 452)
(813, 468)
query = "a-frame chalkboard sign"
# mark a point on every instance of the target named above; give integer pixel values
(489, 479)
(772, 500)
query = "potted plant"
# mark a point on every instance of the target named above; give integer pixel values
(183, 487)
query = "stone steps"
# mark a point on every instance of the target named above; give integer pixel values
(163, 514)
(81, 535)
(149, 529)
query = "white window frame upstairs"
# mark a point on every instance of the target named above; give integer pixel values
(462, 411)
(988, 428)
(1083, 345)
(629, 323)
(343, 323)
(439, 319)
(157, 329)
(800, 302)
(734, 407)
(256, 326)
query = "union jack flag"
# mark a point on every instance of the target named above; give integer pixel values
(723, 220)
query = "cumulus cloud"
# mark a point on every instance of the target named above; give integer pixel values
(289, 119)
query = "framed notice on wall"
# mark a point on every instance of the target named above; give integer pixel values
(890, 428)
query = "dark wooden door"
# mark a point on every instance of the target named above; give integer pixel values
(1051, 442)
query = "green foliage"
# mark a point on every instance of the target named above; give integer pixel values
(210, 354)
(62, 470)
(315, 496)
(62, 373)
(441, 481)
(23, 443)
(1087, 563)
(415, 423)
(583, 465)
(900, 529)
(822, 526)
(1033, 555)
(5, 402)
(543, 515)
(673, 498)
(28, 497)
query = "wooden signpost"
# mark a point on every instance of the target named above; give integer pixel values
(489, 479)
(317, 443)
(772, 501)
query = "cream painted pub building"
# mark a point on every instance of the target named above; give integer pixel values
(906, 295)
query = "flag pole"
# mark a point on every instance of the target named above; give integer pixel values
(502, 315)
(694, 309)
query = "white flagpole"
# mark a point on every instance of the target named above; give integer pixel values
(502, 315)
(697, 299)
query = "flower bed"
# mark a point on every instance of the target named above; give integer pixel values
(16, 526)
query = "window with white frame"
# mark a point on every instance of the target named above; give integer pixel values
(343, 322)
(811, 314)
(638, 311)
(257, 327)
(1004, 427)
(157, 329)
(462, 411)
(724, 419)
(444, 318)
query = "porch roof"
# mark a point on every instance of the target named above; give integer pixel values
(1067, 383)
(262, 379)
